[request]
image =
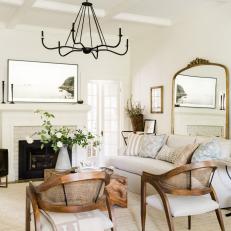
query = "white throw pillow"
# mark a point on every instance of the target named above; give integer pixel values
(133, 145)
(151, 144)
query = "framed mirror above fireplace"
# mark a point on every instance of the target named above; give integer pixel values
(200, 100)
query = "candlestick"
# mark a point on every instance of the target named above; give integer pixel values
(221, 100)
(3, 92)
(80, 101)
(12, 94)
(223, 103)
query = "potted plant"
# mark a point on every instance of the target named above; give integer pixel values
(60, 139)
(135, 112)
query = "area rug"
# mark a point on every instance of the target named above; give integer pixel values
(12, 214)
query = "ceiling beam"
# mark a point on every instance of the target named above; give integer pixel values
(19, 13)
(123, 6)
(120, 7)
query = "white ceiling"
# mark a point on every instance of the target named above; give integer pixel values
(59, 14)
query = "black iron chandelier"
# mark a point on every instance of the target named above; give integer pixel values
(74, 42)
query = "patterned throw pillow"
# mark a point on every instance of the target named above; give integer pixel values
(134, 142)
(178, 156)
(151, 144)
(207, 151)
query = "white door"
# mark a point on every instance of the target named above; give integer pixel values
(104, 118)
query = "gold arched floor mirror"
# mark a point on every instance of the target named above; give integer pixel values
(200, 100)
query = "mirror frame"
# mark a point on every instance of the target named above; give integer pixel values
(195, 63)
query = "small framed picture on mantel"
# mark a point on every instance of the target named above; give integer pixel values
(157, 98)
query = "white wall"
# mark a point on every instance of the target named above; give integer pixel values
(25, 44)
(156, 57)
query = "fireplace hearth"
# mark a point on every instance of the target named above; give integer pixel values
(33, 160)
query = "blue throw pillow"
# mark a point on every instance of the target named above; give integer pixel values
(207, 151)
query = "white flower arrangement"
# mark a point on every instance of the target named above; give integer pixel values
(59, 137)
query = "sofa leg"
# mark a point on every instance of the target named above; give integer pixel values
(189, 222)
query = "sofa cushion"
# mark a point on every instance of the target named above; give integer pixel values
(175, 141)
(151, 144)
(134, 144)
(137, 165)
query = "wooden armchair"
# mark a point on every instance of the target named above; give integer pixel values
(182, 192)
(56, 206)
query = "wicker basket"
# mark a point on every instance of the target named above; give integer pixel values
(137, 123)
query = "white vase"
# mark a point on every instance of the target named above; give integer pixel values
(63, 162)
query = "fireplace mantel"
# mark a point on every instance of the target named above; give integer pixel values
(14, 117)
(22, 107)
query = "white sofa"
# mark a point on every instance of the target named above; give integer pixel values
(133, 166)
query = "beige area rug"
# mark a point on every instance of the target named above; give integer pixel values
(12, 215)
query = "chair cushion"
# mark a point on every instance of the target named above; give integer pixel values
(134, 144)
(175, 141)
(93, 220)
(184, 205)
(137, 165)
(151, 145)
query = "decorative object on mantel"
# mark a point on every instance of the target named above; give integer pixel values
(42, 82)
(80, 101)
(74, 41)
(157, 99)
(12, 93)
(135, 112)
(61, 138)
(3, 92)
(222, 101)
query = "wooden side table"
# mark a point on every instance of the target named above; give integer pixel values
(117, 188)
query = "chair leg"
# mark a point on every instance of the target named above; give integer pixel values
(220, 219)
(111, 214)
(218, 211)
(28, 217)
(189, 222)
(170, 221)
(143, 205)
(168, 213)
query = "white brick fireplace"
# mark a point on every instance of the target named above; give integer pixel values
(19, 120)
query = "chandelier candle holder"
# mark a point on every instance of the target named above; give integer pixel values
(86, 17)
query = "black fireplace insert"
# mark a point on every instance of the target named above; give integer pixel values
(33, 160)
